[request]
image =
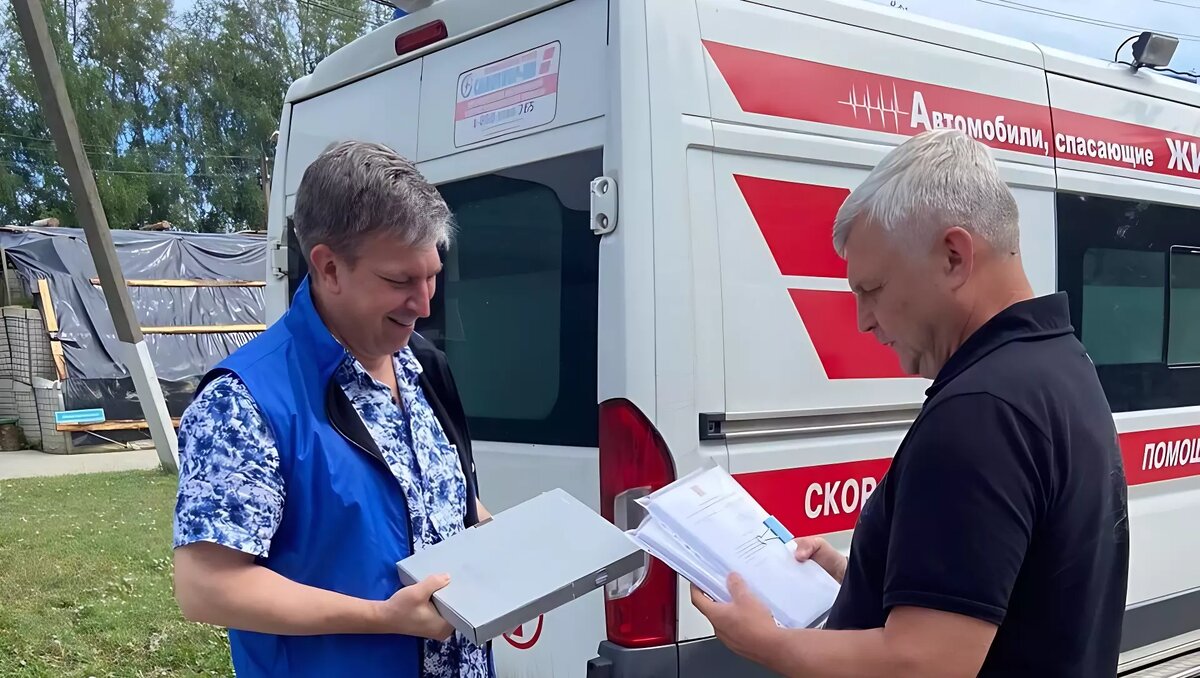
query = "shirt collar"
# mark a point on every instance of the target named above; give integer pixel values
(1039, 318)
(406, 365)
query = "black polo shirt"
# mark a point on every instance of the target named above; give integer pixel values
(1006, 502)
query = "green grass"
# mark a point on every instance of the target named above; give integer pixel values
(85, 581)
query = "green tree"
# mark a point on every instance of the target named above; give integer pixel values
(34, 184)
(175, 111)
(110, 72)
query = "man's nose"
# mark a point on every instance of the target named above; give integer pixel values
(866, 319)
(420, 301)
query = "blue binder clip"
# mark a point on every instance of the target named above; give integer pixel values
(778, 529)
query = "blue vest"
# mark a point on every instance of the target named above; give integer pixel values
(345, 522)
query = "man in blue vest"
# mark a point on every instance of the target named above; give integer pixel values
(332, 446)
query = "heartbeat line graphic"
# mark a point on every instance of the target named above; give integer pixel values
(879, 105)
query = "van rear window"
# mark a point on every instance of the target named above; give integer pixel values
(515, 310)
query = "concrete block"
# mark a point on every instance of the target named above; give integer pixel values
(8, 398)
(27, 413)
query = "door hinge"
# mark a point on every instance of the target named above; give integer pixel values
(279, 258)
(604, 205)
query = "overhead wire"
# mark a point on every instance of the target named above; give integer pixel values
(1032, 9)
(110, 152)
(50, 165)
(340, 11)
(1177, 4)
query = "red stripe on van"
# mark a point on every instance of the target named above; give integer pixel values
(1163, 454)
(796, 220)
(816, 499)
(782, 86)
(846, 97)
(1087, 138)
(828, 498)
(831, 319)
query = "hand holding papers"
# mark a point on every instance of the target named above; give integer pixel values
(706, 526)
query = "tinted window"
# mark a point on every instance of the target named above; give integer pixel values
(1133, 279)
(516, 305)
(1123, 305)
(1183, 342)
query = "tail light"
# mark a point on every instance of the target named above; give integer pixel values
(640, 608)
(421, 36)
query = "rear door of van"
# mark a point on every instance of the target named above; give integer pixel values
(510, 125)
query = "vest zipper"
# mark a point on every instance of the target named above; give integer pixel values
(412, 548)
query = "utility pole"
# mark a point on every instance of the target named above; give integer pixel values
(56, 107)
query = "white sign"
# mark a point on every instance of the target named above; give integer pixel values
(516, 93)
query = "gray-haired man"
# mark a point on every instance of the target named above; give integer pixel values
(332, 446)
(997, 543)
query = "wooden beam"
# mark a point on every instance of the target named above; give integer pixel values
(189, 282)
(203, 329)
(48, 315)
(51, 320)
(114, 425)
(60, 359)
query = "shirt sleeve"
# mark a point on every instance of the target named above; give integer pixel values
(230, 488)
(967, 496)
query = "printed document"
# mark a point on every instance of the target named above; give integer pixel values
(706, 526)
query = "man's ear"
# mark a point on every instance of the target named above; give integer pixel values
(957, 251)
(326, 268)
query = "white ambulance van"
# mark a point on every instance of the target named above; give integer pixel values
(643, 278)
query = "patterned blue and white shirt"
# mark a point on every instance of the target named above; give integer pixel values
(231, 492)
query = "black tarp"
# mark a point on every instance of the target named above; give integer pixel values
(96, 375)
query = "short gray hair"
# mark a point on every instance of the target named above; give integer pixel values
(356, 189)
(933, 181)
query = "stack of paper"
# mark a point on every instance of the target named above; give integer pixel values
(706, 526)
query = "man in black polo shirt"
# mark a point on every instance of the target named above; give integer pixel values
(997, 544)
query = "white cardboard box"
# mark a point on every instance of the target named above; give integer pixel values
(526, 561)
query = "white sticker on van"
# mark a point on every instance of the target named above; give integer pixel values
(506, 96)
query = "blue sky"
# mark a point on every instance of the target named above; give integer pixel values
(1090, 27)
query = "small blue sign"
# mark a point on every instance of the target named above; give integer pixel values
(79, 417)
